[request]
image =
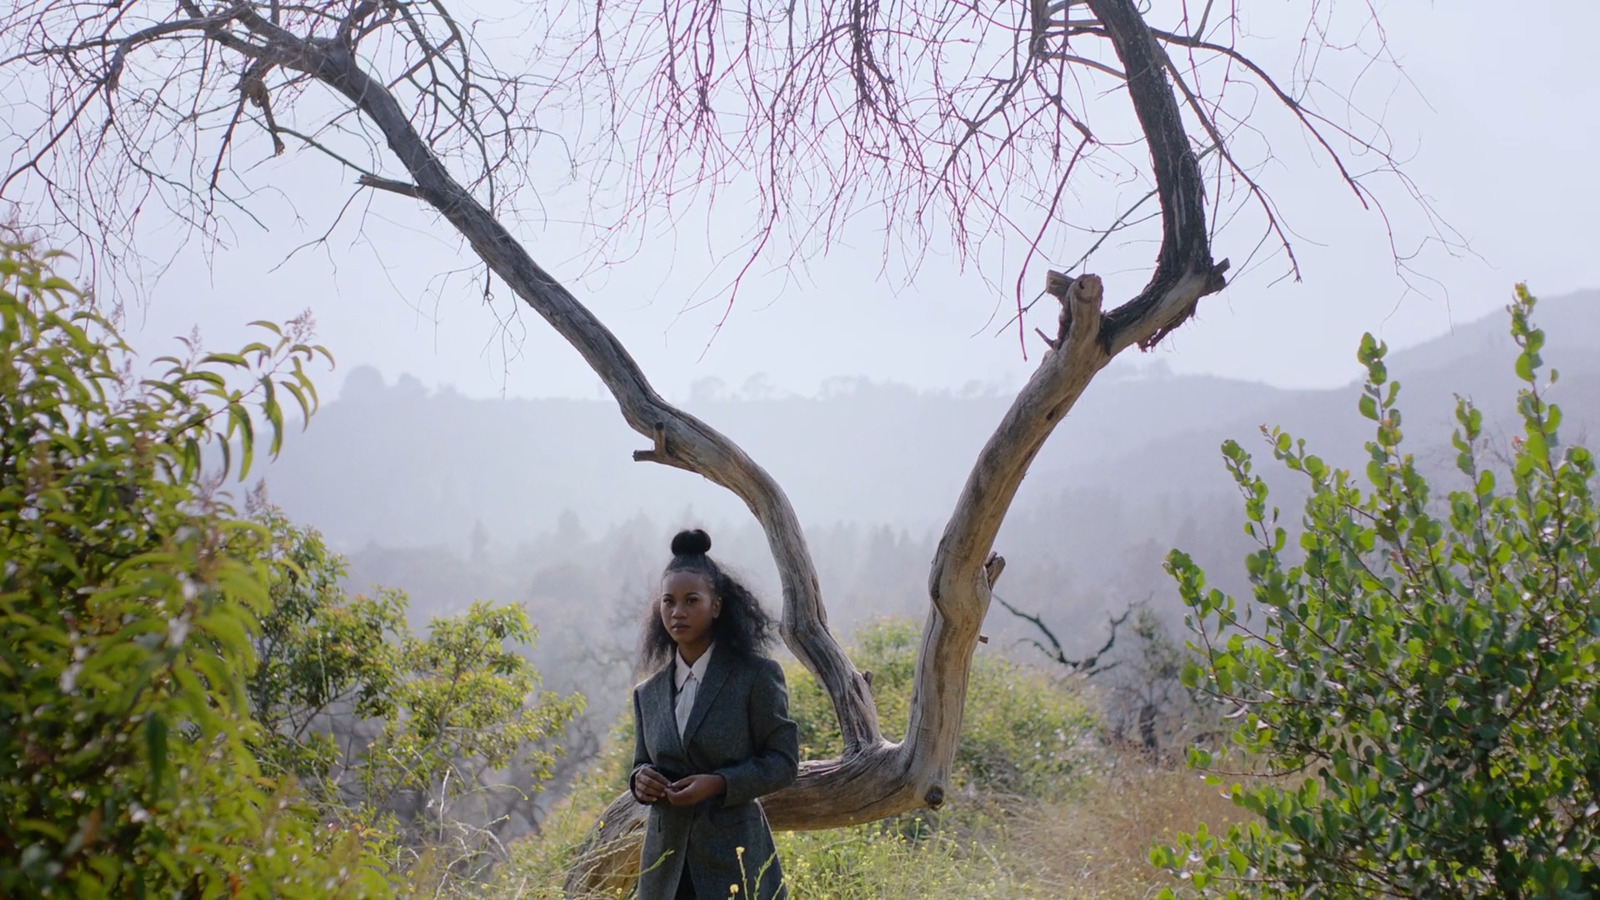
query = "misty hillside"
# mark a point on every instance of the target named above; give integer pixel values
(538, 502)
(397, 465)
(1474, 362)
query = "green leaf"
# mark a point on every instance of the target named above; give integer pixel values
(239, 417)
(155, 742)
(1485, 485)
(1527, 367)
(230, 359)
(269, 407)
(300, 397)
(1535, 448)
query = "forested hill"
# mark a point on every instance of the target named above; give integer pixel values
(398, 465)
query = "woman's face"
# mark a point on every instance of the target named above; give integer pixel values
(687, 607)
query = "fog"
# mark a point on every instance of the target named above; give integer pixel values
(538, 501)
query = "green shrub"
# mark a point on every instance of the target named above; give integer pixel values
(1423, 682)
(125, 759)
(1021, 734)
(465, 704)
(320, 652)
(439, 710)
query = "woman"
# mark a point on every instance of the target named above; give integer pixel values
(711, 734)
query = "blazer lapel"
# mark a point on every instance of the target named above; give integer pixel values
(716, 673)
(658, 696)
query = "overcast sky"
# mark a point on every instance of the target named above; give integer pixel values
(1499, 124)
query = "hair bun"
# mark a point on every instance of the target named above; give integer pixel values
(693, 542)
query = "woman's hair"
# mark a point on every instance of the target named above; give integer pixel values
(743, 627)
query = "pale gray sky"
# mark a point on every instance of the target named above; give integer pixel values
(1500, 130)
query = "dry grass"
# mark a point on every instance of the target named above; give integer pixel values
(1095, 844)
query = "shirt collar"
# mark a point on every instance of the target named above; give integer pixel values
(681, 670)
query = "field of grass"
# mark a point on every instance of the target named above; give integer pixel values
(1090, 844)
(1095, 845)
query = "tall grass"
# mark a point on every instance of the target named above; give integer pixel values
(1095, 844)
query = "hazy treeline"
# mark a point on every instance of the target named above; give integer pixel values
(401, 466)
(538, 500)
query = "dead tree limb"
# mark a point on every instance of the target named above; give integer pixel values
(1089, 665)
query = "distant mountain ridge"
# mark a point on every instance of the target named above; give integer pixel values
(396, 465)
(1475, 361)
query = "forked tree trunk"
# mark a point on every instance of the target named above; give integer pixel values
(875, 778)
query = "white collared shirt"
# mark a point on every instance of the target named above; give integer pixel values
(688, 680)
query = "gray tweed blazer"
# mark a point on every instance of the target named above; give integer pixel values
(740, 729)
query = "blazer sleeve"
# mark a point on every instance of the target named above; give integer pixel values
(774, 735)
(641, 754)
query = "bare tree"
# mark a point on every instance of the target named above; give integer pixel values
(1090, 664)
(1146, 697)
(943, 114)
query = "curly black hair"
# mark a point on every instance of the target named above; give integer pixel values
(743, 628)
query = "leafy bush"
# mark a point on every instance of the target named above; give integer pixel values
(465, 706)
(320, 653)
(1021, 734)
(1423, 682)
(125, 761)
(393, 729)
